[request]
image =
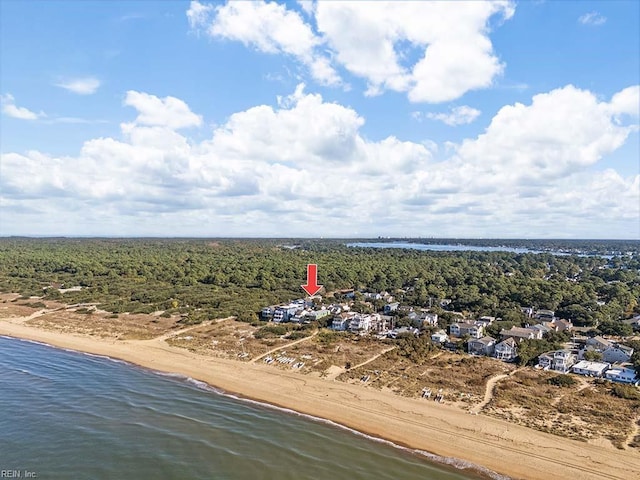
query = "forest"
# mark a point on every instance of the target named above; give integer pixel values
(211, 278)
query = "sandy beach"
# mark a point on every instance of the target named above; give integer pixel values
(508, 449)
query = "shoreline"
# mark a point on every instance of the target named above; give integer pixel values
(446, 434)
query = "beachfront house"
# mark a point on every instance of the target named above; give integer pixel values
(622, 375)
(481, 346)
(590, 369)
(506, 350)
(558, 361)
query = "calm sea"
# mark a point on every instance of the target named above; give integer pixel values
(67, 415)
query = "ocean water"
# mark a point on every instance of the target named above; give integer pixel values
(67, 415)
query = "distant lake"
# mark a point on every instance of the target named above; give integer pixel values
(436, 247)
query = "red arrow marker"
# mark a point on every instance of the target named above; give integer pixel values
(312, 287)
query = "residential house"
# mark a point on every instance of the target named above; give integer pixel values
(545, 315)
(267, 313)
(611, 352)
(460, 329)
(439, 337)
(506, 350)
(527, 311)
(403, 330)
(617, 354)
(540, 327)
(486, 320)
(283, 313)
(391, 307)
(558, 361)
(590, 369)
(372, 296)
(634, 322)
(340, 322)
(481, 346)
(316, 315)
(599, 343)
(429, 319)
(360, 323)
(622, 375)
(519, 334)
(559, 325)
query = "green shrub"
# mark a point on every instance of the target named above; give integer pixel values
(562, 381)
(628, 392)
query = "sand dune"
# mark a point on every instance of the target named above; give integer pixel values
(509, 449)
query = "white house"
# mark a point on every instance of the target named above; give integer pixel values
(622, 375)
(361, 323)
(591, 369)
(506, 350)
(461, 329)
(429, 319)
(439, 337)
(558, 361)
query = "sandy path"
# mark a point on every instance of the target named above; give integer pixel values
(488, 392)
(635, 431)
(281, 347)
(373, 358)
(441, 429)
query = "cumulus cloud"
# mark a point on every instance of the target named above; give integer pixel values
(433, 51)
(168, 112)
(303, 167)
(10, 109)
(81, 86)
(592, 18)
(267, 27)
(457, 116)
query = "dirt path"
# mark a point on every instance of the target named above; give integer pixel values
(290, 344)
(635, 431)
(488, 392)
(175, 333)
(337, 371)
(37, 314)
(373, 358)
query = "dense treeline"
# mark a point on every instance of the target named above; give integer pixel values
(211, 278)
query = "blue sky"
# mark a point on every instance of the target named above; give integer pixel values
(497, 119)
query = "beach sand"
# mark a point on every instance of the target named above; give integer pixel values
(443, 430)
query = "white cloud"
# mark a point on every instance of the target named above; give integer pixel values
(592, 18)
(267, 27)
(303, 167)
(167, 112)
(433, 51)
(451, 40)
(458, 116)
(10, 109)
(81, 86)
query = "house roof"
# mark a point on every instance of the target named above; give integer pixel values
(517, 332)
(509, 341)
(484, 340)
